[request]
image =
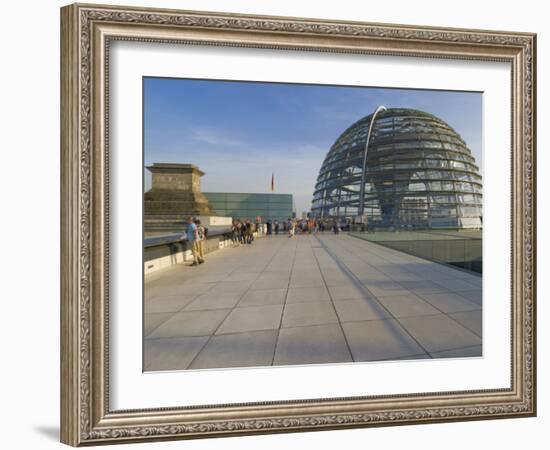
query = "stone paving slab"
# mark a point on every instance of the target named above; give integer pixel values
(439, 333)
(169, 303)
(270, 283)
(172, 354)
(241, 276)
(335, 279)
(308, 313)
(380, 340)
(467, 352)
(177, 287)
(360, 309)
(423, 287)
(389, 289)
(348, 291)
(255, 348)
(214, 300)
(279, 275)
(153, 320)
(454, 284)
(252, 318)
(307, 294)
(312, 345)
(223, 287)
(262, 297)
(307, 300)
(450, 273)
(477, 282)
(474, 296)
(306, 281)
(407, 306)
(469, 319)
(210, 278)
(191, 323)
(449, 302)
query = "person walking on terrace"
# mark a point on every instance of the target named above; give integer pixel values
(335, 227)
(291, 228)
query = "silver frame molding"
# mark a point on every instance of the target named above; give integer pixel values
(86, 33)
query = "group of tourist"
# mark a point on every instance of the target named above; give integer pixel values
(293, 226)
(242, 232)
(313, 225)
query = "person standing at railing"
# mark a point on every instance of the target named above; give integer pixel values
(201, 237)
(249, 230)
(192, 237)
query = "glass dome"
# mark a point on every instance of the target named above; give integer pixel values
(419, 174)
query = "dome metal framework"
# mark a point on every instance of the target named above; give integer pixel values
(402, 169)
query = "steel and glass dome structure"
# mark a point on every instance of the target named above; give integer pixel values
(402, 169)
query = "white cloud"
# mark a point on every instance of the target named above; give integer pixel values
(213, 136)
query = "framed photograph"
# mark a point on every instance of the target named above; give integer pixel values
(276, 224)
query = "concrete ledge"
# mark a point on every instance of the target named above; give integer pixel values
(166, 255)
(161, 252)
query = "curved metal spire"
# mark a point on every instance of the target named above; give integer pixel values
(364, 167)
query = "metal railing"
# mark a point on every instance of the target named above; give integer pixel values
(173, 238)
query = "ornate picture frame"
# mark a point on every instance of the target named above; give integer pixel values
(87, 31)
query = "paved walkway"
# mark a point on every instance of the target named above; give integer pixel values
(311, 299)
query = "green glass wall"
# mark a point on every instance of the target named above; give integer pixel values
(250, 205)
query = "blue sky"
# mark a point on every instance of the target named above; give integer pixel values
(241, 132)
